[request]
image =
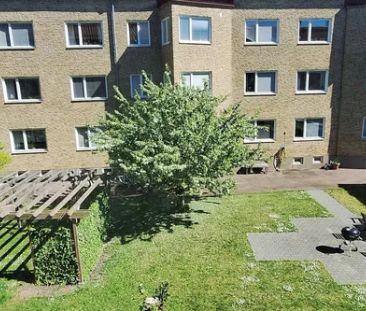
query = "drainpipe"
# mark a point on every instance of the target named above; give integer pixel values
(114, 44)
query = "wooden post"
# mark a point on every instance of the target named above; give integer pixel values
(76, 249)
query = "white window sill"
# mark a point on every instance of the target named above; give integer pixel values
(311, 92)
(261, 43)
(76, 47)
(195, 42)
(25, 101)
(85, 149)
(165, 43)
(258, 141)
(259, 94)
(313, 43)
(139, 45)
(29, 151)
(17, 47)
(97, 99)
(308, 139)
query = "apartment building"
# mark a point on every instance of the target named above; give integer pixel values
(298, 66)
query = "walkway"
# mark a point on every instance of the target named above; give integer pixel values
(313, 233)
(306, 179)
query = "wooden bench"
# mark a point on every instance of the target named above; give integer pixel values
(258, 166)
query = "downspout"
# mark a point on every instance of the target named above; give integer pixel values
(114, 44)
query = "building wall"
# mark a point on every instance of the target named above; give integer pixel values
(351, 147)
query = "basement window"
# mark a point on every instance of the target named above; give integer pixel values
(298, 161)
(318, 160)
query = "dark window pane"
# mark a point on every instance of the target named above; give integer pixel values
(364, 129)
(92, 34)
(18, 140)
(36, 139)
(95, 87)
(304, 30)
(299, 129)
(319, 30)
(316, 81)
(11, 89)
(4, 35)
(133, 33)
(73, 34)
(78, 87)
(29, 88)
(22, 34)
(266, 130)
(250, 82)
(144, 34)
(250, 31)
(301, 81)
(83, 137)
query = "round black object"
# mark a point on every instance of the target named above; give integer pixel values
(351, 233)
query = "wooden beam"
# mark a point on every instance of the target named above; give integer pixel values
(76, 250)
(52, 199)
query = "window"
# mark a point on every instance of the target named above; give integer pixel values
(309, 129)
(314, 31)
(364, 128)
(139, 34)
(165, 31)
(19, 90)
(260, 83)
(16, 35)
(261, 31)
(312, 82)
(298, 161)
(84, 138)
(265, 132)
(84, 34)
(136, 81)
(28, 141)
(197, 79)
(195, 29)
(318, 160)
(89, 88)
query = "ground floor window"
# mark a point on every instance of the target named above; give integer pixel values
(197, 79)
(27, 141)
(84, 138)
(136, 83)
(311, 129)
(260, 83)
(265, 131)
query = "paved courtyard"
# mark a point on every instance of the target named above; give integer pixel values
(312, 233)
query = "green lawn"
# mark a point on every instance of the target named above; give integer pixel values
(206, 258)
(352, 196)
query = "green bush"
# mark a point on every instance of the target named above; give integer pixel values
(92, 234)
(54, 258)
(4, 157)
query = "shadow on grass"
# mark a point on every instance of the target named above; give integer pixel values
(142, 216)
(357, 191)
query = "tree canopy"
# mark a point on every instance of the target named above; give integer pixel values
(176, 140)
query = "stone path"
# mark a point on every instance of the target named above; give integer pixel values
(312, 233)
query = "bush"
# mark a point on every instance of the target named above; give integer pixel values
(4, 157)
(54, 258)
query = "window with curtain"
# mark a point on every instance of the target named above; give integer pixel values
(197, 79)
(309, 129)
(89, 88)
(86, 34)
(314, 31)
(84, 138)
(260, 83)
(24, 141)
(139, 34)
(22, 90)
(261, 31)
(265, 131)
(195, 29)
(16, 35)
(312, 81)
(136, 82)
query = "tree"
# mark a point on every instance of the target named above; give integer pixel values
(4, 158)
(175, 140)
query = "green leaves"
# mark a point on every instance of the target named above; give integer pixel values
(5, 158)
(176, 140)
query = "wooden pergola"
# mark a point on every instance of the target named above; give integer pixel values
(53, 194)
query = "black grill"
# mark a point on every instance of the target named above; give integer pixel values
(351, 233)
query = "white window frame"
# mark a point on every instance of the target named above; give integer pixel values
(77, 99)
(81, 45)
(18, 90)
(318, 160)
(256, 93)
(78, 148)
(298, 163)
(193, 73)
(325, 91)
(304, 138)
(309, 41)
(132, 91)
(26, 150)
(257, 140)
(138, 45)
(165, 25)
(11, 38)
(363, 128)
(191, 41)
(257, 33)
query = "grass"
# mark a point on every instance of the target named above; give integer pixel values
(352, 197)
(204, 255)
